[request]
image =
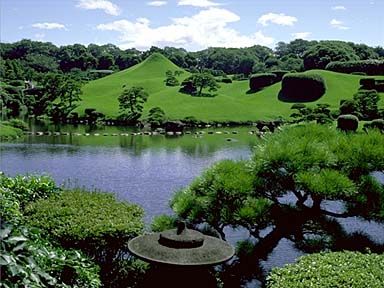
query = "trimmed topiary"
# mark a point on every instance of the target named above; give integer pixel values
(367, 83)
(347, 122)
(377, 124)
(368, 67)
(93, 222)
(280, 74)
(326, 270)
(259, 81)
(302, 87)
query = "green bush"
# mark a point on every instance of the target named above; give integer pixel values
(347, 106)
(28, 261)
(329, 270)
(377, 124)
(16, 123)
(94, 222)
(369, 67)
(302, 87)
(259, 81)
(226, 80)
(367, 83)
(280, 74)
(25, 189)
(347, 122)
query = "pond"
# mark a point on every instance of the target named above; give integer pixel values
(145, 169)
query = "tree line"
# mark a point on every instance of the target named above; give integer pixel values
(27, 59)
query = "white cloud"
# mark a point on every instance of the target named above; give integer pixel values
(208, 28)
(49, 26)
(301, 35)
(157, 3)
(338, 24)
(338, 8)
(107, 6)
(279, 19)
(197, 3)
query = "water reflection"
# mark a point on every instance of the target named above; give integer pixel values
(148, 169)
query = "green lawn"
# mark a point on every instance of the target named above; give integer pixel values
(232, 103)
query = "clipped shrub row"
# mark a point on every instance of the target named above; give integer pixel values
(326, 270)
(375, 124)
(259, 81)
(372, 84)
(347, 122)
(280, 74)
(303, 87)
(369, 67)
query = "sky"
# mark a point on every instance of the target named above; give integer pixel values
(191, 24)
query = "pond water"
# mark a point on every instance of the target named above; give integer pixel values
(145, 169)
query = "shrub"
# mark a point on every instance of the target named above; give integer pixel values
(156, 117)
(25, 189)
(326, 270)
(226, 80)
(367, 102)
(17, 123)
(369, 67)
(280, 74)
(93, 222)
(347, 122)
(27, 260)
(347, 106)
(302, 87)
(367, 83)
(259, 81)
(377, 124)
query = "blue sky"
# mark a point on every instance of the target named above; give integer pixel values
(191, 24)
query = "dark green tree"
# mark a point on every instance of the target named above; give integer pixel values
(131, 103)
(203, 80)
(366, 102)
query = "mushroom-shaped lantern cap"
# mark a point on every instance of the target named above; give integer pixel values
(181, 246)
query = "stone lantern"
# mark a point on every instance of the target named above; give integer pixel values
(180, 255)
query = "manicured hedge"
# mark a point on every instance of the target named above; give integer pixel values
(303, 87)
(369, 67)
(376, 124)
(329, 270)
(280, 74)
(347, 122)
(259, 81)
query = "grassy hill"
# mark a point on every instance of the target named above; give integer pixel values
(232, 103)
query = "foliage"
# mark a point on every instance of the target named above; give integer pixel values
(96, 223)
(163, 222)
(369, 67)
(26, 189)
(303, 87)
(326, 270)
(131, 102)
(259, 81)
(347, 122)
(171, 79)
(9, 132)
(16, 123)
(320, 113)
(28, 261)
(156, 117)
(377, 124)
(219, 197)
(319, 55)
(367, 104)
(348, 107)
(201, 81)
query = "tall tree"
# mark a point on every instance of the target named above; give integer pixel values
(131, 103)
